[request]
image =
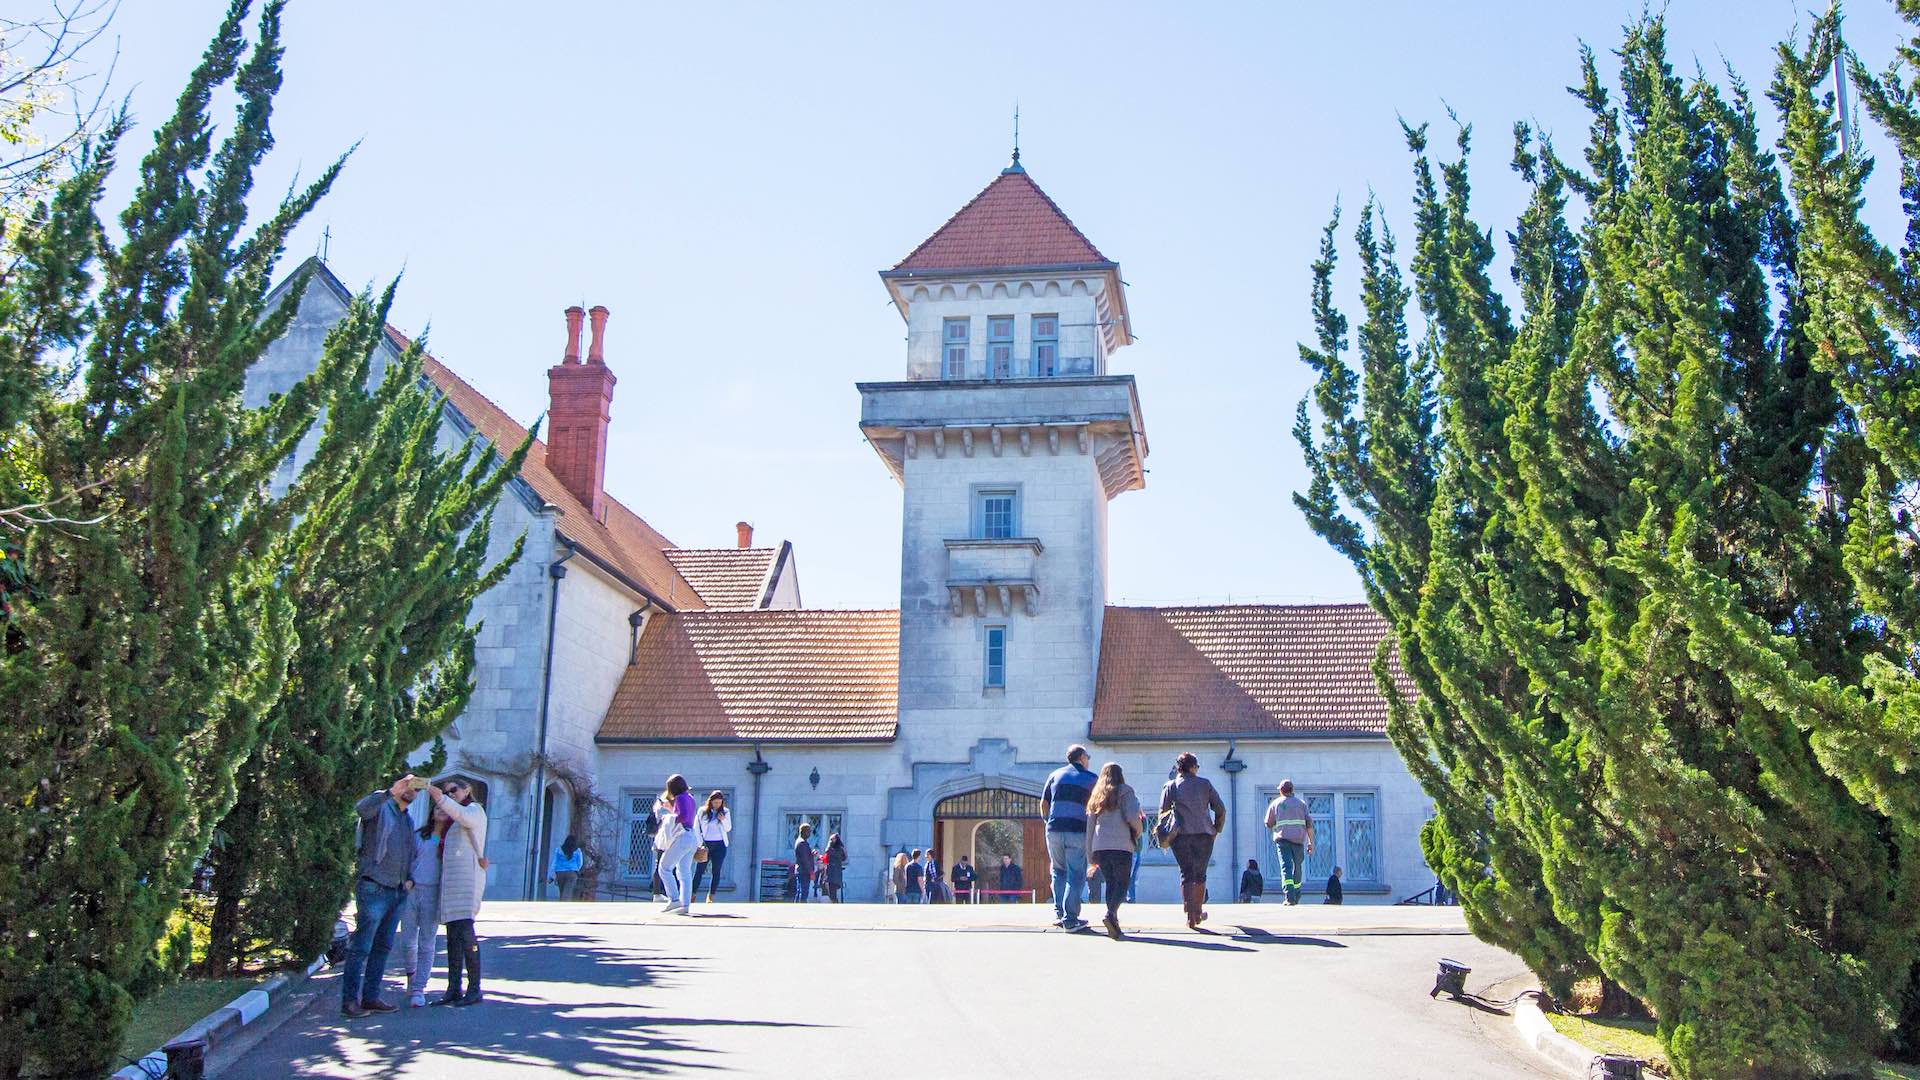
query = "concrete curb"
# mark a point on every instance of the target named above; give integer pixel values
(1567, 1056)
(221, 1024)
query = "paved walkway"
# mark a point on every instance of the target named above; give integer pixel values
(929, 992)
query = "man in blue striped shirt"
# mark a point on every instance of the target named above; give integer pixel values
(1063, 803)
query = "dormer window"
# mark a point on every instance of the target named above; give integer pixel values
(1000, 346)
(954, 346)
(1046, 346)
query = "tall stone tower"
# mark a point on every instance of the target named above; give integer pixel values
(1008, 437)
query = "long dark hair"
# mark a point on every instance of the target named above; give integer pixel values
(676, 787)
(570, 845)
(1106, 791)
(707, 810)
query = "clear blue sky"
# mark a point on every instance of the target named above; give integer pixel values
(727, 178)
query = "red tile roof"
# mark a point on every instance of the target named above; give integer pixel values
(728, 579)
(624, 541)
(1245, 670)
(1010, 224)
(770, 676)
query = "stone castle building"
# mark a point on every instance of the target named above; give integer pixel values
(610, 658)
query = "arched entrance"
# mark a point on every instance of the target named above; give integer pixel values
(989, 823)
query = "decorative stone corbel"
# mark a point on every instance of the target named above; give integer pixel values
(1006, 600)
(1032, 597)
(966, 441)
(1026, 443)
(913, 444)
(939, 442)
(993, 434)
(1053, 441)
(957, 600)
(980, 599)
(1081, 433)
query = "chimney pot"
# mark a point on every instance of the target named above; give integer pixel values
(596, 349)
(574, 316)
(745, 532)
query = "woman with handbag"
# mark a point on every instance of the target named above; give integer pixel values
(676, 843)
(1113, 824)
(715, 826)
(1191, 815)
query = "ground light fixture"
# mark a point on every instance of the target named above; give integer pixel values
(186, 1059)
(1451, 979)
(1614, 1067)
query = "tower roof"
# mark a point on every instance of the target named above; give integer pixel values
(1010, 225)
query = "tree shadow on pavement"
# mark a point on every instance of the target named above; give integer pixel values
(621, 1033)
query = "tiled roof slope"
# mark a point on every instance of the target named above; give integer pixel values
(1244, 670)
(624, 541)
(761, 676)
(728, 579)
(1010, 224)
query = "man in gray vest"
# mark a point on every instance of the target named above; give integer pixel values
(1292, 829)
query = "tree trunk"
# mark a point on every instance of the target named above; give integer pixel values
(1616, 1002)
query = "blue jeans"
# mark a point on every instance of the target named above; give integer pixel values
(802, 883)
(1133, 878)
(1293, 862)
(1068, 853)
(376, 912)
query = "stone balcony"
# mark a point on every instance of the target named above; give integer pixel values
(993, 576)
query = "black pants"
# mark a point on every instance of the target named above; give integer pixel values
(462, 950)
(1117, 868)
(1192, 851)
(716, 858)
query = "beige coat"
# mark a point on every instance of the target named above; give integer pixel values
(462, 881)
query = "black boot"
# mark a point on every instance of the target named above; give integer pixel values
(472, 996)
(452, 996)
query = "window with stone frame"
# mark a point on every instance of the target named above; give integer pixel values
(994, 515)
(954, 346)
(1046, 346)
(995, 675)
(1000, 346)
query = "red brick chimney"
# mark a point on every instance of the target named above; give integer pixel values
(579, 404)
(745, 533)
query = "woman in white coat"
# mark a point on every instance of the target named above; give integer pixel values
(463, 879)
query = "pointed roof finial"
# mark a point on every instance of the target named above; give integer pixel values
(1015, 167)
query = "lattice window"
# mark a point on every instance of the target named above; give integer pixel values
(954, 344)
(637, 860)
(1346, 833)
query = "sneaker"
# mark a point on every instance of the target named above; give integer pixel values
(1059, 922)
(351, 1010)
(418, 1001)
(378, 1006)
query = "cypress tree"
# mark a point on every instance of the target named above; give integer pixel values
(159, 632)
(1634, 608)
(382, 575)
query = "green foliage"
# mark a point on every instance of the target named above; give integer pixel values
(1648, 555)
(159, 633)
(382, 574)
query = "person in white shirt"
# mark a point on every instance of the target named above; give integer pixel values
(712, 824)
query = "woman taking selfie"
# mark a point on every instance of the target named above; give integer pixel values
(714, 824)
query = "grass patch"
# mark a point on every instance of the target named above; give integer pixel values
(1604, 1035)
(1888, 1071)
(169, 1012)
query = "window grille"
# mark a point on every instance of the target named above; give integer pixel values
(996, 515)
(637, 861)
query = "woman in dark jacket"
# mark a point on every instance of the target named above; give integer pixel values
(836, 867)
(1252, 885)
(1199, 813)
